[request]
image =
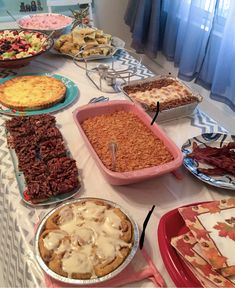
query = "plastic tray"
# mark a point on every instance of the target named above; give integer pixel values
(118, 178)
(171, 225)
(169, 114)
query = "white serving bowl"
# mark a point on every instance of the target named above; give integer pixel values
(45, 22)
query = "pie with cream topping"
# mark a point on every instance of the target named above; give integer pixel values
(31, 92)
(86, 239)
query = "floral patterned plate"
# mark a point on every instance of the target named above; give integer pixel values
(214, 140)
(72, 94)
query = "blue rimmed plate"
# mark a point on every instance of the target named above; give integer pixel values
(214, 140)
(72, 94)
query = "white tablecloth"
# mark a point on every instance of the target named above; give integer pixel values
(18, 265)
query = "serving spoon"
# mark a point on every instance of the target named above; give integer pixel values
(113, 149)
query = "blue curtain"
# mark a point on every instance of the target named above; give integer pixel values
(198, 35)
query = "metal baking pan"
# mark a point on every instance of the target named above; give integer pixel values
(92, 281)
(168, 114)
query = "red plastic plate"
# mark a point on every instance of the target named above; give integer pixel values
(172, 225)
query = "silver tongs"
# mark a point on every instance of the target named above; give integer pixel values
(113, 149)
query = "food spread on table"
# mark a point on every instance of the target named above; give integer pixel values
(86, 239)
(42, 157)
(45, 21)
(16, 44)
(92, 41)
(31, 92)
(137, 146)
(92, 238)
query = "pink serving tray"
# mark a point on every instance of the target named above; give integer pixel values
(118, 178)
(171, 225)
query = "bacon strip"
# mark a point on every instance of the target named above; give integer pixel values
(222, 159)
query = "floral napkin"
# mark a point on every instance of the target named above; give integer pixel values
(189, 249)
(213, 226)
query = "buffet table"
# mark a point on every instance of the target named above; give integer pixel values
(18, 264)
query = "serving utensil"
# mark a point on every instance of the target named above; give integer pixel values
(113, 149)
(12, 16)
(99, 99)
(107, 77)
(49, 36)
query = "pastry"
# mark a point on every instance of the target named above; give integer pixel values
(31, 92)
(86, 38)
(168, 92)
(99, 238)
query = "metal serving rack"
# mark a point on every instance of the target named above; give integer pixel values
(107, 76)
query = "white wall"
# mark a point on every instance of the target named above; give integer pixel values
(109, 16)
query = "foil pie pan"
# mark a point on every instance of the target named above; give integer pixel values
(92, 281)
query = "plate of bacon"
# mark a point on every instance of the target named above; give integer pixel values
(211, 158)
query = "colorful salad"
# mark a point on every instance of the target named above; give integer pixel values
(21, 44)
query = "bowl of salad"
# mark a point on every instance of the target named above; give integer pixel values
(46, 23)
(19, 47)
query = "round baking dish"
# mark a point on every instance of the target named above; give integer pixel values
(92, 281)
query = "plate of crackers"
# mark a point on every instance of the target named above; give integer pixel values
(34, 94)
(87, 43)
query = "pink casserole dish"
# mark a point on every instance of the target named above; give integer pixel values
(123, 178)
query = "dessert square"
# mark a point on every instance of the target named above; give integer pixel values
(52, 148)
(47, 132)
(170, 93)
(63, 183)
(38, 191)
(62, 165)
(35, 171)
(16, 122)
